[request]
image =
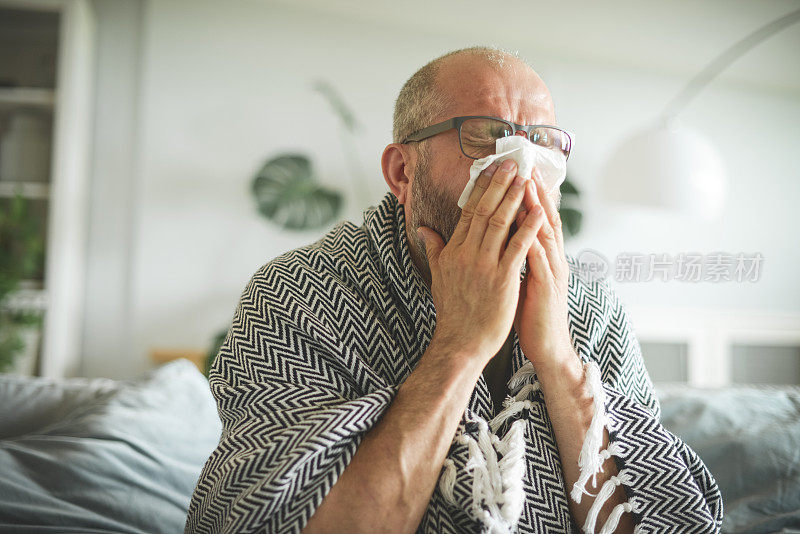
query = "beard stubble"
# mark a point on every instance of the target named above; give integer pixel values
(434, 208)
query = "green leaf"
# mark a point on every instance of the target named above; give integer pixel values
(288, 194)
(571, 221)
(568, 188)
(571, 216)
(21, 257)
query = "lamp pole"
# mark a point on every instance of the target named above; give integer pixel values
(664, 166)
(722, 61)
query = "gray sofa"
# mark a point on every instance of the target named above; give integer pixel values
(103, 456)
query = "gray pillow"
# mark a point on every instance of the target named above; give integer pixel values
(84, 455)
(749, 438)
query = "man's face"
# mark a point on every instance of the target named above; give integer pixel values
(512, 92)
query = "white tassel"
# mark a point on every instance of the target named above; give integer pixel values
(495, 488)
(602, 496)
(512, 469)
(476, 464)
(476, 459)
(616, 513)
(522, 375)
(447, 481)
(513, 438)
(483, 461)
(614, 449)
(497, 483)
(589, 460)
(512, 408)
(526, 390)
(512, 446)
(578, 488)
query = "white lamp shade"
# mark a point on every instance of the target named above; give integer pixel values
(667, 168)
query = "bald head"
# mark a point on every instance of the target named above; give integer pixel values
(434, 89)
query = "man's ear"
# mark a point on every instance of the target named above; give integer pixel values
(398, 162)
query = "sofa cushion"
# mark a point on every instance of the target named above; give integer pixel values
(82, 455)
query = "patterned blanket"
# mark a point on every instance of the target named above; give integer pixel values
(322, 338)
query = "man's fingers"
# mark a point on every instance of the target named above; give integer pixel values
(500, 222)
(538, 264)
(520, 217)
(433, 245)
(550, 208)
(521, 241)
(488, 203)
(468, 211)
(548, 237)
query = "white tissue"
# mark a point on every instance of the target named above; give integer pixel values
(551, 166)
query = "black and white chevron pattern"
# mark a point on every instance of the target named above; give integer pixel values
(322, 337)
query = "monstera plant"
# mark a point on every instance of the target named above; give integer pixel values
(287, 193)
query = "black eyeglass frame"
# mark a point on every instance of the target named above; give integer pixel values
(456, 123)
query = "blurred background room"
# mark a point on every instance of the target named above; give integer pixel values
(154, 154)
(137, 129)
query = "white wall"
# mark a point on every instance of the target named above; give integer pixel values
(224, 85)
(107, 331)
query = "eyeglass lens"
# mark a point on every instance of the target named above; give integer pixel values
(478, 137)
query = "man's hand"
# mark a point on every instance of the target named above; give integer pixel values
(541, 318)
(542, 326)
(475, 277)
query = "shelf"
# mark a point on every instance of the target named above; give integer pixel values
(28, 96)
(36, 285)
(47, 86)
(26, 300)
(34, 190)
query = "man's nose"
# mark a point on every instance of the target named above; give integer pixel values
(522, 133)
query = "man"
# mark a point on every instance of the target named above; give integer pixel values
(361, 383)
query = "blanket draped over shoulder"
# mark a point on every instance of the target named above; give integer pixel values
(321, 340)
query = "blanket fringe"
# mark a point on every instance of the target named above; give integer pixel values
(498, 495)
(448, 481)
(613, 518)
(523, 375)
(497, 490)
(610, 485)
(591, 459)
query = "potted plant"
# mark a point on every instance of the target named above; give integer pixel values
(21, 259)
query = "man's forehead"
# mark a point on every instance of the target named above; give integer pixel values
(477, 86)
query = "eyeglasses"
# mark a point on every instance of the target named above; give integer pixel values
(477, 134)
